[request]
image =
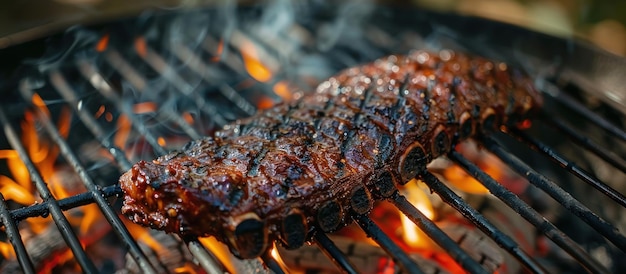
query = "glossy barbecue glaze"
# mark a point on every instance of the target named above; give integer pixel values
(314, 161)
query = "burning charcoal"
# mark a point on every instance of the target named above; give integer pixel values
(477, 245)
(40, 247)
(366, 257)
(170, 253)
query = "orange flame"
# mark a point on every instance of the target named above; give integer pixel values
(123, 131)
(463, 181)
(39, 102)
(219, 250)
(124, 124)
(91, 216)
(102, 43)
(487, 162)
(145, 107)
(417, 196)
(19, 187)
(7, 251)
(253, 64)
(187, 268)
(63, 125)
(142, 234)
(188, 118)
(15, 192)
(44, 156)
(274, 253)
(37, 152)
(218, 51)
(141, 47)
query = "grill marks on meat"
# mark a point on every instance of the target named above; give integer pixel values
(311, 162)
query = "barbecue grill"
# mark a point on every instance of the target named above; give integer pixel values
(141, 86)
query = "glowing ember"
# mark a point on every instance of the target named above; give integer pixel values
(161, 141)
(100, 111)
(265, 103)
(253, 64)
(526, 124)
(282, 89)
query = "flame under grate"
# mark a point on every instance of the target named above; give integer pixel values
(152, 87)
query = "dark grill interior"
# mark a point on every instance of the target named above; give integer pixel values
(139, 87)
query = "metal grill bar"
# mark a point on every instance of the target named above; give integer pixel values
(89, 121)
(102, 203)
(248, 108)
(560, 195)
(69, 95)
(168, 73)
(133, 77)
(195, 63)
(235, 63)
(82, 199)
(14, 236)
(569, 166)
(528, 213)
(208, 262)
(435, 233)
(333, 253)
(90, 73)
(271, 263)
(571, 103)
(53, 206)
(230, 98)
(585, 142)
(503, 240)
(373, 231)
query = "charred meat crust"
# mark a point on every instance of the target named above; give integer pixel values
(356, 127)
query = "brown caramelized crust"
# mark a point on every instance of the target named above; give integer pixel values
(300, 155)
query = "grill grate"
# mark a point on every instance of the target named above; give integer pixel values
(106, 69)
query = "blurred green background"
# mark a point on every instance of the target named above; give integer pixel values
(601, 22)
